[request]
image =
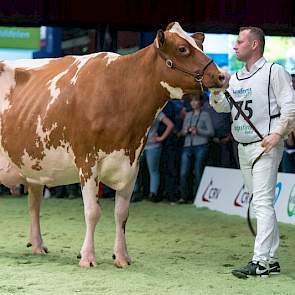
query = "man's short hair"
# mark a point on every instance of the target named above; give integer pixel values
(257, 34)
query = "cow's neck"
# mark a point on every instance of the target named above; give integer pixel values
(147, 72)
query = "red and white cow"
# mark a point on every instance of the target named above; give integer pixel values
(86, 118)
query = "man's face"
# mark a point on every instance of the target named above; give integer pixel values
(243, 46)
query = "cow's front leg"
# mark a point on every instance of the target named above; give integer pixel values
(92, 212)
(120, 256)
(34, 200)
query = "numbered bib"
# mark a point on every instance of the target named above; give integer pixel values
(252, 95)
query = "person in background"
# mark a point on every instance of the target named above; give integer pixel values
(170, 156)
(288, 160)
(293, 81)
(152, 154)
(222, 144)
(263, 91)
(70, 191)
(197, 129)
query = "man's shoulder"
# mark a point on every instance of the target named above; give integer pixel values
(278, 69)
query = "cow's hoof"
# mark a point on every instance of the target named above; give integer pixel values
(87, 263)
(40, 250)
(129, 260)
(123, 262)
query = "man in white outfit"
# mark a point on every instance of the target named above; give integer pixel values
(264, 92)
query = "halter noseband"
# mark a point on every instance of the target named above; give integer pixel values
(197, 75)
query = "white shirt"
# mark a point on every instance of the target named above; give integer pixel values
(282, 89)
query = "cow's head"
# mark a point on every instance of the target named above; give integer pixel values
(189, 69)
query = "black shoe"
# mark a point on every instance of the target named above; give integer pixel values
(154, 198)
(251, 269)
(182, 201)
(57, 195)
(274, 268)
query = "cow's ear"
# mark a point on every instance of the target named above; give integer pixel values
(170, 26)
(199, 37)
(160, 39)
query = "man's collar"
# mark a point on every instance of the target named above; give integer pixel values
(259, 63)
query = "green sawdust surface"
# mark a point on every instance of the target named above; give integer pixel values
(176, 249)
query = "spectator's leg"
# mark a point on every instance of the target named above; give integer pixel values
(170, 173)
(153, 161)
(201, 155)
(74, 191)
(184, 173)
(287, 163)
(225, 155)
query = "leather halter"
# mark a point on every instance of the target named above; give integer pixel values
(197, 75)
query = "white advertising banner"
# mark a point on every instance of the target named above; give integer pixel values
(222, 189)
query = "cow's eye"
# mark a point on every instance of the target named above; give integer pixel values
(183, 50)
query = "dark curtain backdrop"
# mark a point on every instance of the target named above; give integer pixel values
(210, 15)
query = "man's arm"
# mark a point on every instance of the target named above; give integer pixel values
(219, 102)
(285, 95)
(217, 98)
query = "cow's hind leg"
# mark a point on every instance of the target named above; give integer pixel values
(120, 256)
(92, 213)
(34, 200)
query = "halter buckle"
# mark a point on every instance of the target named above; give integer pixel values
(199, 77)
(169, 63)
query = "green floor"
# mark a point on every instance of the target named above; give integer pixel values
(176, 249)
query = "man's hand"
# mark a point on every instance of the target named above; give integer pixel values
(216, 140)
(225, 140)
(270, 141)
(194, 130)
(157, 139)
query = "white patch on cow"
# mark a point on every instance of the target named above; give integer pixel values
(9, 173)
(175, 92)
(44, 135)
(54, 91)
(57, 165)
(111, 56)
(81, 60)
(115, 169)
(90, 187)
(7, 82)
(28, 63)
(176, 28)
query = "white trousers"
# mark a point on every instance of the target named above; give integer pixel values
(261, 182)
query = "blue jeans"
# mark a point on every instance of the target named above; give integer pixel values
(169, 172)
(152, 157)
(288, 163)
(196, 155)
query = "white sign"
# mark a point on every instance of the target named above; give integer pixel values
(222, 189)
